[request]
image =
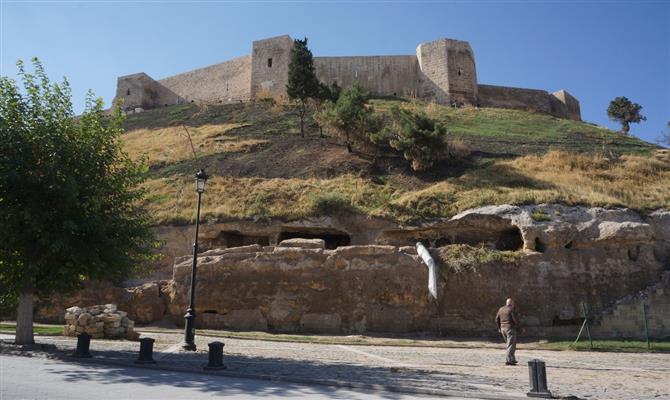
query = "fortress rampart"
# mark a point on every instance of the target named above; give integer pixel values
(443, 71)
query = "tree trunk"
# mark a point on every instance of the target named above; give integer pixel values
(24, 318)
(302, 119)
(625, 127)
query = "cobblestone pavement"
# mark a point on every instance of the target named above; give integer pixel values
(469, 372)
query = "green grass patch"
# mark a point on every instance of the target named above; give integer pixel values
(540, 216)
(611, 345)
(52, 330)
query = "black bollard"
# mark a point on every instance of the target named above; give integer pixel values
(146, 351)
(215, 356)
(83, 346)
(538, 380)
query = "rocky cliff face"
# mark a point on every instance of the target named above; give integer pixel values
(564, 257)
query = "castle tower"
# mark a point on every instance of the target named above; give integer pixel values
(448, 72)
(269, 66)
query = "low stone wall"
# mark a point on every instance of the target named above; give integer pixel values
(100, 321)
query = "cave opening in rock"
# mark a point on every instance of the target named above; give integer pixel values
(333, 238)
(236, 239)
(539, 246)
(506, 239)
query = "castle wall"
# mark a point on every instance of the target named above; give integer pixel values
(225, 82)
(560, 104)
(380, 75)
(269, 67)
(448, 72)
(572, 108)
(140, 90)
(442, 71)
(515, 98)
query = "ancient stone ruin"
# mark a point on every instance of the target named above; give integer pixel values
(442, 71)
(100, 321)
(615, 261)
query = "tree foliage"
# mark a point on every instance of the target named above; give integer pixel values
(625, 112)
(350, 117)
(302, 82)
(420, 138)
(68, 192)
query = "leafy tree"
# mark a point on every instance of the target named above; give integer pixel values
(68, 195)
(302, 82)
(625, 112)
(418, 137)
(350, 117)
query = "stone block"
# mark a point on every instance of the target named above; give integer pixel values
(321, 323)
(83, 319)
(245, 320)
(303, 243)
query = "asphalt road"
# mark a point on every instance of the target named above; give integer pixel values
(39, 378)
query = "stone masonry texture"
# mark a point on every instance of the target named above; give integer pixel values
(443, 71)
(591, 256)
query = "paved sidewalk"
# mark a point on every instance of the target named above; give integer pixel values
(462, 372)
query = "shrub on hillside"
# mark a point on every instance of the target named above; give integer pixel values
(350, 118)
(420, 139)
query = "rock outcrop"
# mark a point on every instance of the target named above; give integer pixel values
(564, 257)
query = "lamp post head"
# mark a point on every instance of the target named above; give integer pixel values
(200, 179)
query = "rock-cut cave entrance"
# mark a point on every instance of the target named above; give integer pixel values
(236, 239)
(505, 239)
(333, 238)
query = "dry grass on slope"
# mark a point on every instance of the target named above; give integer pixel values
(171, 144)
(637, 182)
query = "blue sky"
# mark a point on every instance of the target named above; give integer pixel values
(597, 50)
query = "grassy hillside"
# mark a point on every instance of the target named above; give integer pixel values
(262, 168)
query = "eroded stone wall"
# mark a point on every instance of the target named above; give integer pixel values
(595, 256)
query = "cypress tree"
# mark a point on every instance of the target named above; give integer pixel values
(302, 82)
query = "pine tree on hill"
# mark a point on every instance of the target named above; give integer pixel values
(302, 81)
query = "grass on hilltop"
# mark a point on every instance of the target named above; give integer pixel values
(260, 169)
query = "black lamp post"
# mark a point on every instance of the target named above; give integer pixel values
(189, 329)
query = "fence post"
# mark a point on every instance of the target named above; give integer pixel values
(646, 329)
(586, 321)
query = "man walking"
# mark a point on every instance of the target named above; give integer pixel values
(508, 323)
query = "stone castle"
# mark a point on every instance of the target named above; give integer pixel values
(442, 71)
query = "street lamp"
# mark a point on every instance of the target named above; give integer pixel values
(189, 317)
